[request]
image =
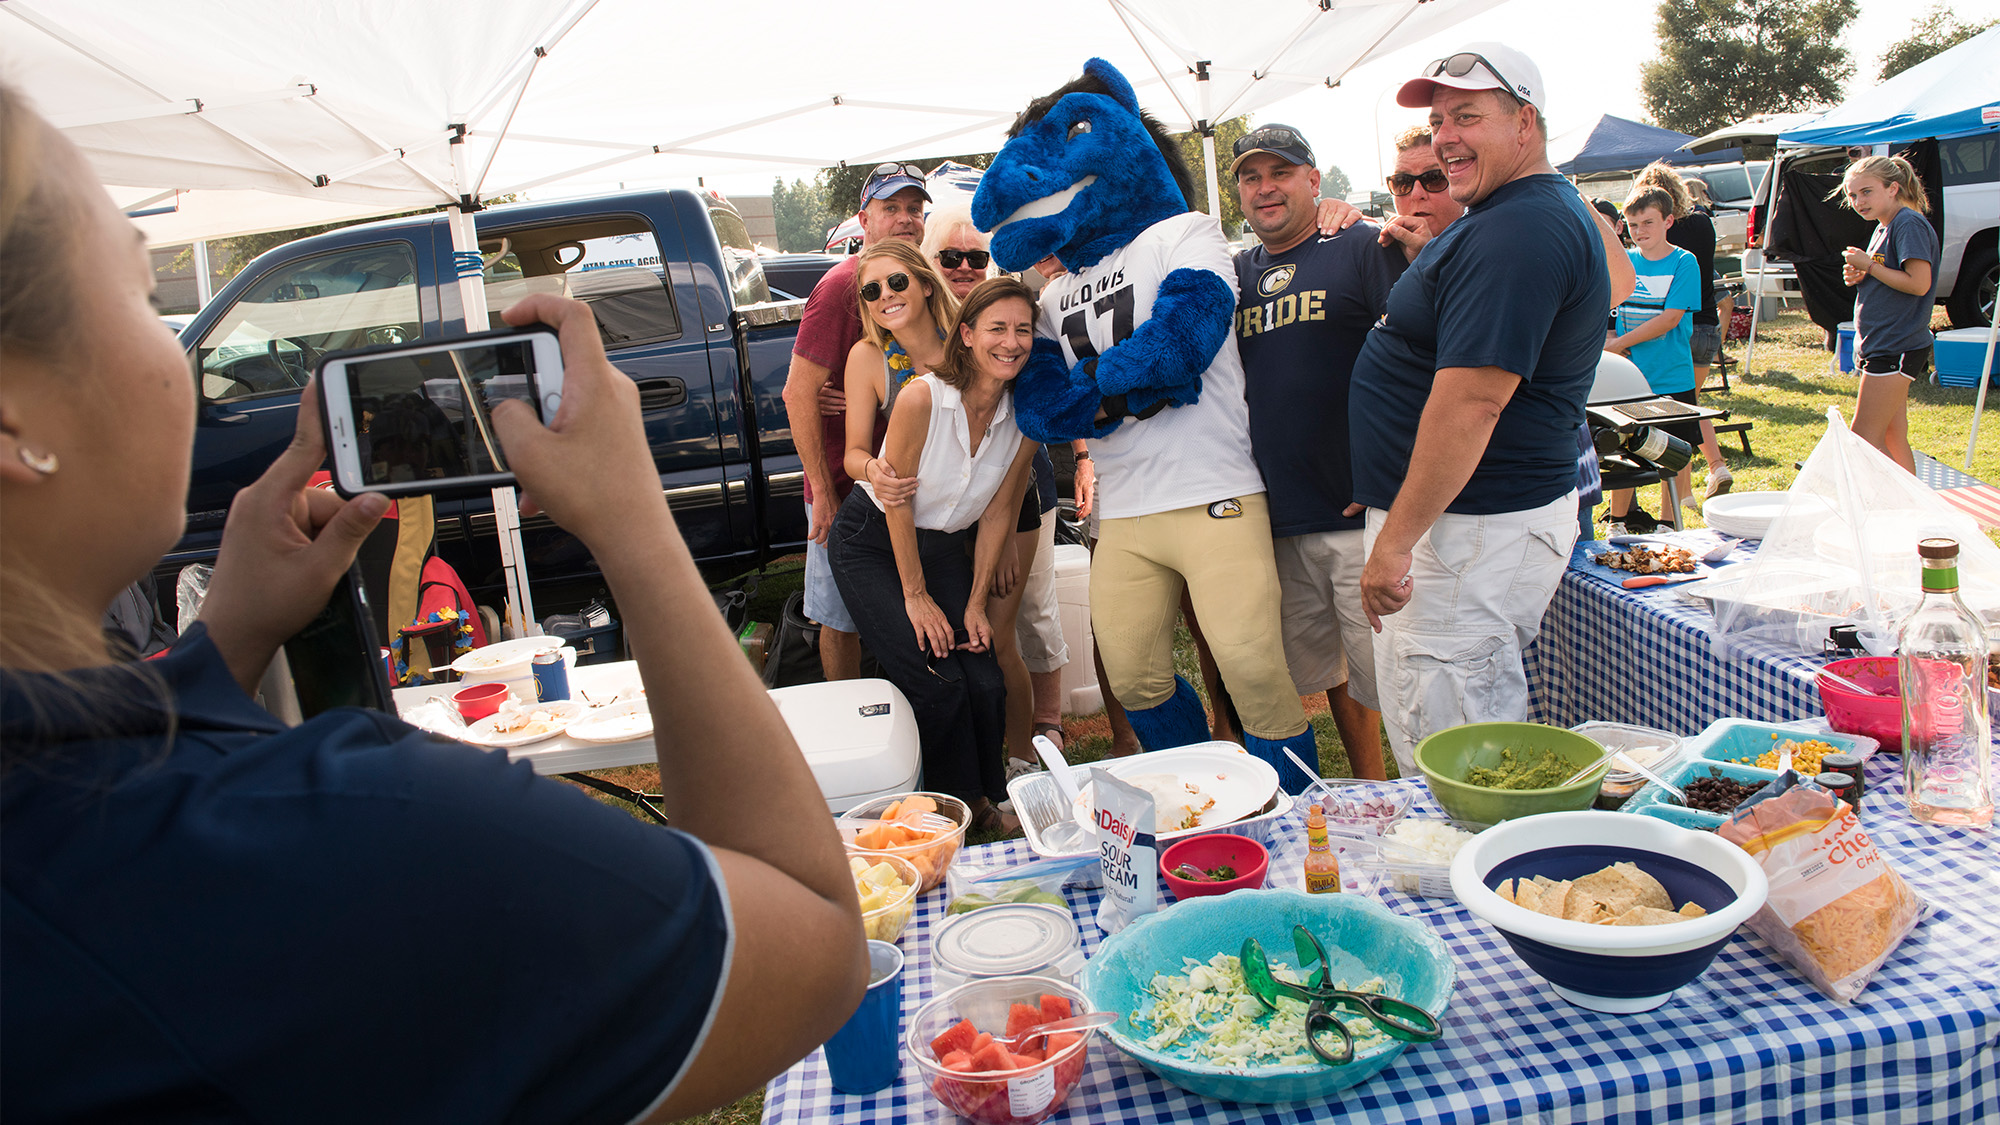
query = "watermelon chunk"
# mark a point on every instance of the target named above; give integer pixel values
(956, 1060)
(993, 1057)
(958, 1037)
(980, 1042)
(1021, 1017)
(1054, 1008)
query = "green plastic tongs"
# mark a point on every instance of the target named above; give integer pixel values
(1395, 1017)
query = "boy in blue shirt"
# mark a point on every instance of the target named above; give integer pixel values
(1654, 329)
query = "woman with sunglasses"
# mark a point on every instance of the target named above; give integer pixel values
(905, 309)
(903, 569)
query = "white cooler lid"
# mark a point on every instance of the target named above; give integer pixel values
(858, 736)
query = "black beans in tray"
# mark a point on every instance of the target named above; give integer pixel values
(1717, 794)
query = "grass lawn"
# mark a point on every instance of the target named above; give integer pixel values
(1786, 396)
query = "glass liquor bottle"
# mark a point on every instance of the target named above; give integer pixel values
(1946, 753)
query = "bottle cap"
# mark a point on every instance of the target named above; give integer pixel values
(1937, 548)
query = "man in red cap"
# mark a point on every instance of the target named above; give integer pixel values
(1465, 406)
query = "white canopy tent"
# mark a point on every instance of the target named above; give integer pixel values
(212, 118)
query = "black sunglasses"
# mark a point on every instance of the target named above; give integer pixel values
(1270, 136)
(873, 290)
(1461, 64)
(950, 259)
(1401, 182)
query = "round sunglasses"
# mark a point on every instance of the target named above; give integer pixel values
(952, 259)
(873, 290)
(1433, 181)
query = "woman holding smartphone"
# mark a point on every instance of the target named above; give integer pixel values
(904, 570)
(351, 919)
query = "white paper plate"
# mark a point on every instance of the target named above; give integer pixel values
(486, 731)
(620, 722)
(504, 653)
(1746, 515)
(1240, 783)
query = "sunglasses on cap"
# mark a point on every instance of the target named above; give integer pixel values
(951, 259)
(1269, 137)
(873, 290)
(1461, 64)
(1434, 180)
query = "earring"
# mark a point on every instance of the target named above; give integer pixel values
(43, 463)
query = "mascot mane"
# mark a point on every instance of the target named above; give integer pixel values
(1084, 170)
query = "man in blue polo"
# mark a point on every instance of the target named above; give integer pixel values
(1305, 301)
(1465, 406)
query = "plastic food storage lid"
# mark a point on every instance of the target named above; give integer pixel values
(1008, 940)
(1650, 747)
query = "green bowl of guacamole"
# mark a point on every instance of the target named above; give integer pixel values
(1490, 772)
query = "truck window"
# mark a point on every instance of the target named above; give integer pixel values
(739, 257)
(1970, 160)
(611, 264)
(272, 337)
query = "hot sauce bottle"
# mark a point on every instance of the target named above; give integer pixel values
(1322, 868)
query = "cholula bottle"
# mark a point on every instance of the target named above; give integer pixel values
(1322, 866)
(1946, 753)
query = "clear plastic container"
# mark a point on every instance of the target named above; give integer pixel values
(1398, 867)
(887, 921)
(1007, 940)
(1022, 1096)
(1650, 747)
(1353, 811)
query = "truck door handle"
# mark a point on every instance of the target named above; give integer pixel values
(661, 394)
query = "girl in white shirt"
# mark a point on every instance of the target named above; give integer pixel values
(904, 570)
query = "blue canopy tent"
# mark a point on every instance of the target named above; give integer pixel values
(1953, 94)
(1614, 144)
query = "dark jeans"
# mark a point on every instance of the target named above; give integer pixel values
(960, 701)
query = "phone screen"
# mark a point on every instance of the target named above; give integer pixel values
(429, 416)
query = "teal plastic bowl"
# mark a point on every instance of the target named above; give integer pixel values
(1362, 940)
(1446, 756)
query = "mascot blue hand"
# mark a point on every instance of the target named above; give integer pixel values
(1084, 170)
(1162, 360)
(1054, 403)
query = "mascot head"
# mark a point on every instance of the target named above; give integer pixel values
(1083, 171)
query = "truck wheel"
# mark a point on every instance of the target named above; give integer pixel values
(1971, 301)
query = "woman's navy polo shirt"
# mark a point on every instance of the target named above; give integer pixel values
(349, 920)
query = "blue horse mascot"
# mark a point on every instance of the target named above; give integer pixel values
(1133, 351)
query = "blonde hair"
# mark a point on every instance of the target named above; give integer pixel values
(1890, 170)
(1660, 176)
(955, 369)
(42, 223)
(944, 225)
(942, 304)
(1413, 137)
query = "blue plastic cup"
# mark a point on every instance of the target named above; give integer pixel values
(865, 1054)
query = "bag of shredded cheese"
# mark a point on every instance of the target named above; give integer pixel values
(1836, 908)
(1125, 844)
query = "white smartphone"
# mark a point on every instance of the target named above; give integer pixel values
(408, 419)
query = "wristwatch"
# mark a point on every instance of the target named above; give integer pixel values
(1084, 456)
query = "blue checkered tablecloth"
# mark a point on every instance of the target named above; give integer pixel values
(1642, 657)
(1749, 1041)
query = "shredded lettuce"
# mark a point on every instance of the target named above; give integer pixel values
(1208, 1014)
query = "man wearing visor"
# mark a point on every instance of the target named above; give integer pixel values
(1465, 406)
(1305, 301)
(892, 206)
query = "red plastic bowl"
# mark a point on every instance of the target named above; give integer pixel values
(1241, 852)
(1879, 717)
(479, 700)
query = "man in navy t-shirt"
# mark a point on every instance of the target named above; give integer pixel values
(1465, 405)
(1305, 302)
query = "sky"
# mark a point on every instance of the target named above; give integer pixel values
(1589, 55)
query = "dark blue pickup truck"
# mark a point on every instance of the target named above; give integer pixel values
(682, 302)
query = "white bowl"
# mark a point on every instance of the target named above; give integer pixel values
(1611, 968)
(510, 663)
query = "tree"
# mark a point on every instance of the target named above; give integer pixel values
(1333, 183)
(1227, 133)
(1723, 60)
(843, 184)
(1933, 33)
(800, 214)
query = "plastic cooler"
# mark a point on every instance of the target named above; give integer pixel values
(859, 737)
(1958, 356)
(1080, 693)
(1843, 356)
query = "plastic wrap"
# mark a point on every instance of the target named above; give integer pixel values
(189, 591)
(1844, 550)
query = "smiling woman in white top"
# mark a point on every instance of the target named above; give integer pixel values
(904, 570)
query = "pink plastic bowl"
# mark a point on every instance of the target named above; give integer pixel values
(479, 700)
(1247, 856)
(1879, 717)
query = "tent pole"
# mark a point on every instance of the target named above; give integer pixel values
(1207, 128)
(1992, 338)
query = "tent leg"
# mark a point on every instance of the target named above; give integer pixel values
(1992, 338)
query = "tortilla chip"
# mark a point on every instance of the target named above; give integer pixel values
(1650, 892)
(1528, 895)
(1646, 916)
(1692, 909)
(1555, 900)
(1609, 887)
(1505, 889)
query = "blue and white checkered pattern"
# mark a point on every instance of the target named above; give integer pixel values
(1642, 657)
(1749, 1041)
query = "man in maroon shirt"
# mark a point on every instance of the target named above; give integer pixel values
(892, 206)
